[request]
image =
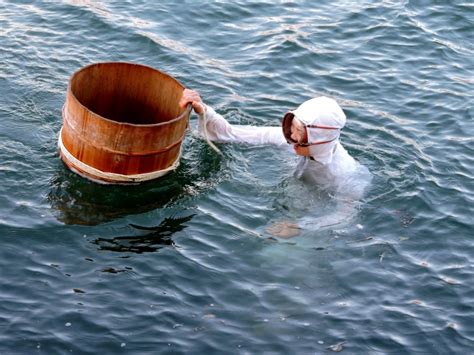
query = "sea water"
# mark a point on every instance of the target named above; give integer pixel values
(185, 264)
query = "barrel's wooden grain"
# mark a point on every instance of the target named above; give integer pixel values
(124, 119)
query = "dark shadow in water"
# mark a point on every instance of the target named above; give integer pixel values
(76, 200)
(154, 238)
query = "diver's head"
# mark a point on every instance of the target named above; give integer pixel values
(314, 128)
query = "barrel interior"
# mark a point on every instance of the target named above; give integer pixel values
(128, 93)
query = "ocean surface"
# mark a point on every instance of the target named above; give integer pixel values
(185, 264)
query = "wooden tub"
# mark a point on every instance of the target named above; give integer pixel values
(122, 123)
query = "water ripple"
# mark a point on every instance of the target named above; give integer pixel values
(184, 264)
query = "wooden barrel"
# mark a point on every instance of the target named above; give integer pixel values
(122, 123)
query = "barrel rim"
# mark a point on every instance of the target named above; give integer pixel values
(185, 113)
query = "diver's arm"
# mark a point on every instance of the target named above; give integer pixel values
(343, 215)
(213, 126)
(218, 129)
(349, 198)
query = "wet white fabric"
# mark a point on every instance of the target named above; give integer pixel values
(331, 168)
(218, 129)
(322, 111)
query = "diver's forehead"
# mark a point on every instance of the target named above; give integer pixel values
(297, 123)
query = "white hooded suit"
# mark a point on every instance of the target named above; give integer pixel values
(330, 166)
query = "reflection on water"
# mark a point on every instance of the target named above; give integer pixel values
(154, 238)
(79, 201)
(76, 200)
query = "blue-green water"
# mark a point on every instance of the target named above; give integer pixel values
(183, 264)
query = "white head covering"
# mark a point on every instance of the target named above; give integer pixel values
(321, 111)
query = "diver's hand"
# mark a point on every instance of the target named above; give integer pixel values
(192, 97)
(283, 229)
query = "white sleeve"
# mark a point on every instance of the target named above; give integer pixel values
(343, 215)
(218, 129)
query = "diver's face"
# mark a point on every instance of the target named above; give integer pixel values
(299, 134)
(298, 131)
(303, 151)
